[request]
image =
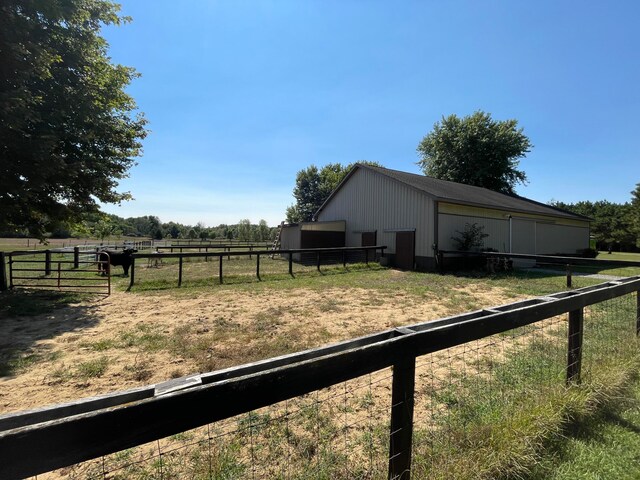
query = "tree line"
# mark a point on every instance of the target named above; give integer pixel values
(615, 226)
(107, 226)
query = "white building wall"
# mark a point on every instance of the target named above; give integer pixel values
(369, 201)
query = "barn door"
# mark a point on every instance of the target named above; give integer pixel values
(405, 250)
(368, 239)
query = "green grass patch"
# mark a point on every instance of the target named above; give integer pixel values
(13, 362)
(498, 419)
(604, 445)
(92, 368)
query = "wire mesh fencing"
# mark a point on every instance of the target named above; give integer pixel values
(337, 432)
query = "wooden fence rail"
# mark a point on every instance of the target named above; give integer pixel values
(53, 437)
(567, 262)
(319, 252)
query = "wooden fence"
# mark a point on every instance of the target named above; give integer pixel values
(45, 439)
(320, 254)
(567, 262)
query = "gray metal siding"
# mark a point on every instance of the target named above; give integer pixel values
(290, 238)
(370, 201)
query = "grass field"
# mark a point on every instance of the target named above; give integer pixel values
(59, 347)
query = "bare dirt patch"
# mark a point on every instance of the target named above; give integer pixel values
(128, 340)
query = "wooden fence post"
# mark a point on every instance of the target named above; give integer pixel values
(10, 271)
(569, 282)
(47, 262)
(318, 255)
(574, 357)
(220, 269)
(257, 265)
(401, 430)
(180, 271)
(132, 275)
(3, 273)
(76, 257)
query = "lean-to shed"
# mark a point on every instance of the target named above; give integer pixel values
(312, 235)
(415, 215)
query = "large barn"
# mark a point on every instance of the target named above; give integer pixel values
(415, 215)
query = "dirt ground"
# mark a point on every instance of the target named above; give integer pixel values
(126, 340)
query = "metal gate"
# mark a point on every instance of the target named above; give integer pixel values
(54, 270)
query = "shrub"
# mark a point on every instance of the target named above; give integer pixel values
(472, 237)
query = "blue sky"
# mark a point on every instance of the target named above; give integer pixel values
(241, 95)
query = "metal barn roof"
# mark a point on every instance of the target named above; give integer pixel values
(444, 190)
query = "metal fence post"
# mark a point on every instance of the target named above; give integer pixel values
(257, 265)
(291, 264)
(180, 271)
(401, 430)
(220, 269)
(3, 274)
(318, 255)
(76, 257)
(569, 276)
(574, 357)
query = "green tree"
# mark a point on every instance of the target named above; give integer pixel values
(243, 230)
(475, 150)
(611, 226)
(264, 232)
(307, 194)
(68, 130)
(105, 228)
(313, 187)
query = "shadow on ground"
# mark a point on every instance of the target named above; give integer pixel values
(30, 316)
